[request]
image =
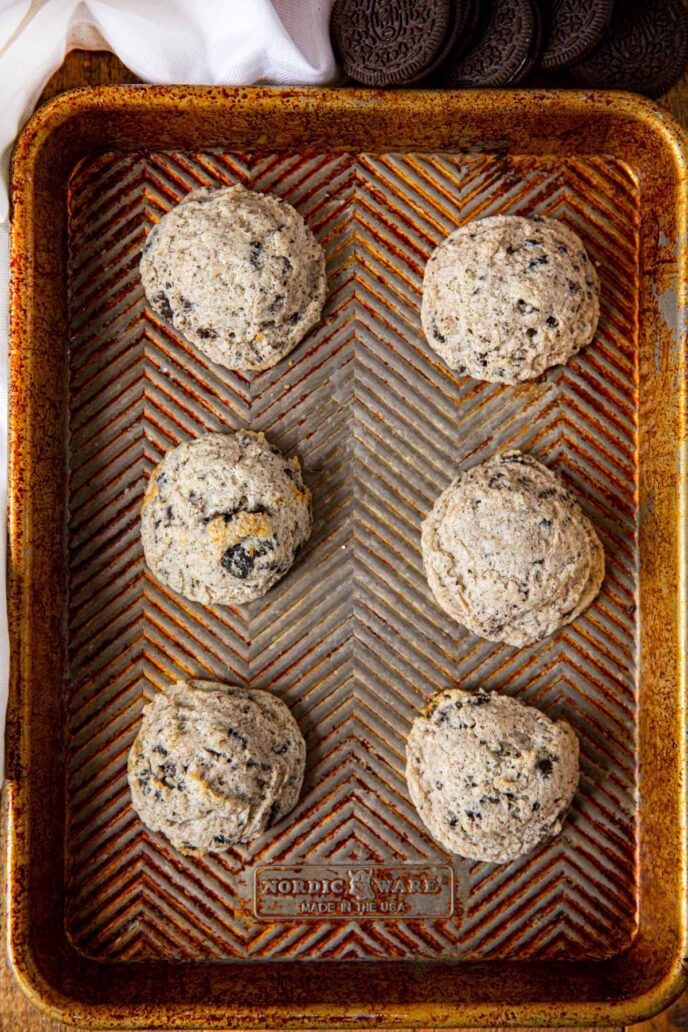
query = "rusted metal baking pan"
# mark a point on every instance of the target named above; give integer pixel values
(348, 910)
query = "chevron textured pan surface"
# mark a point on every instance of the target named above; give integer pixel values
(351, 639)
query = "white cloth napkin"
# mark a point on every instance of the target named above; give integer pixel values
(206, 42)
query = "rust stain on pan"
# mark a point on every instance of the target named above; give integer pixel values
(351, 640)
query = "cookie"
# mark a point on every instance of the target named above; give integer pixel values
(491, 778)
(389, 42)
(501, 49)
(223, 517)
(572, 29)
(535, 48)
(506, 297)
(509, 553)
(239, 274)
(644, 48)
(214, 765)
(464, 18)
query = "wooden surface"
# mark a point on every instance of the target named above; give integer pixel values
(82, 68)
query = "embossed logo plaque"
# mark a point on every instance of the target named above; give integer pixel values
(353, 890)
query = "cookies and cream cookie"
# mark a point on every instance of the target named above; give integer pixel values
(223, 517)
(508, 551)
(490, 777)
(506, 297)
(213, 765)
(238, 273)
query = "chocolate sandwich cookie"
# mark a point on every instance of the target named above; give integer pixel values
(501, 51)
(572, 30)
(535, 48)
(390, 42)
(467, 17)
(644, 48)
(469, 12)
(464, 22)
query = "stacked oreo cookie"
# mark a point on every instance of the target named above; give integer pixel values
(644, 48)
(401, 42)
(456, 42)
(639, 45)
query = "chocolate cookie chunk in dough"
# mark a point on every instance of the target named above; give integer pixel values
(490, 777)
(509, 553)
(223, 518)
(644, 48)
(501, 53)
(390, 42)
(214, 765)
(239, 274)
(505, 298)
(572, 29)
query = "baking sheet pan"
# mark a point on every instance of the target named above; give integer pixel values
(351, 639)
